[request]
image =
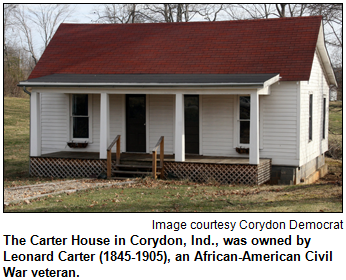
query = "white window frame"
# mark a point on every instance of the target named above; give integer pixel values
(236, 141)
(311, 105)
(237, 126)
(89, 140)
(324, 117)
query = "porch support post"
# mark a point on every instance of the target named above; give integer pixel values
(179, 128)
(104, 125)
(35, 124)
(254, 129)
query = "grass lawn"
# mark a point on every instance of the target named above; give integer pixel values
(162, 196)
(16, 143)
(335, 117)
(181, 196)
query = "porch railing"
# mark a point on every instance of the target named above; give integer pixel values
(162, 155)
(109, 155)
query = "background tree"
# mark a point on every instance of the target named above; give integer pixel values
(22, 48)
(44, 19)
(12, 54)
(170, 12)
(136, 13)
(118, 13)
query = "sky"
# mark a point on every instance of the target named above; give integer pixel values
(83, 13)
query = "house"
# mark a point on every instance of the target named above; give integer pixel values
(236, 101)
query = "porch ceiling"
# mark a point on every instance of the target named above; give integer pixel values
(150, 80)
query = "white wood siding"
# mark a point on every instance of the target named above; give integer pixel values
(318, 87)
(54, 117)
(217, 125)
(161, 120)
(280, 120)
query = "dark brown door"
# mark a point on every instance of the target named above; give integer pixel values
(191, 104)
(135, 123)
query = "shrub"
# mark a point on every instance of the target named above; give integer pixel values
(335, 148)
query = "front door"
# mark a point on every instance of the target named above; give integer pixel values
(191, 104)
(135, 123)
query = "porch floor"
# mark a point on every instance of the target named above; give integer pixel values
(142, 157)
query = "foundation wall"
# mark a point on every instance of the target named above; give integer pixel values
(308, 173)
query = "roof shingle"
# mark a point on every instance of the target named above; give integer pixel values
(284, 46)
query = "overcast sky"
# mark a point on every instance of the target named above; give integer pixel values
(83, 13)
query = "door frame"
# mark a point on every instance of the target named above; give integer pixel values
(199, 122)
(146, 119)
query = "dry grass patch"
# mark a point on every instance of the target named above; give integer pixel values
(149, 195)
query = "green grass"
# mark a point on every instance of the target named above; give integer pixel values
(162, 196)
(16, 142)
(16, 137)
(335, 117)
(335, 130)
(174, 196)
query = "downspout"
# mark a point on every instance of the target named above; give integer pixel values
(26, 91)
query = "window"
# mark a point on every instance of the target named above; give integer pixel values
(80, 116)
(310, 117)
(324, 118)
(244, 119)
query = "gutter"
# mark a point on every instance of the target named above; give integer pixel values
(32, 84)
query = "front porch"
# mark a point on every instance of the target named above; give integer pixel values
(218, 123)
(226, 170)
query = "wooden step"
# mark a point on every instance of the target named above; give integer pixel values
(134, 172)
(134, 166)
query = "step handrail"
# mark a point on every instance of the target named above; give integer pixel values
(160, 144)
(109, 155)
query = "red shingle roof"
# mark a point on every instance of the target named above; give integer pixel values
(284, 46)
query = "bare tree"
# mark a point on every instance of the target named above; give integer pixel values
(9, 10)
(45, 19)
(265, 11)
(210, 12)
(135, 13)
(170, 12)
(118, 13)
(332, 19)
(22, 25)
(249, 11)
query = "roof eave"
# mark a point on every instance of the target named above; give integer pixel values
(325, 58)
(35, 84)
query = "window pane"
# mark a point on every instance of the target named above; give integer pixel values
(244, 108)
(80, 127)
(310, 116)
(244, 132)
(80, 105)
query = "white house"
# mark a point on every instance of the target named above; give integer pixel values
(236, 101)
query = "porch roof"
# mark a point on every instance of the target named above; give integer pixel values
(150, 80)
